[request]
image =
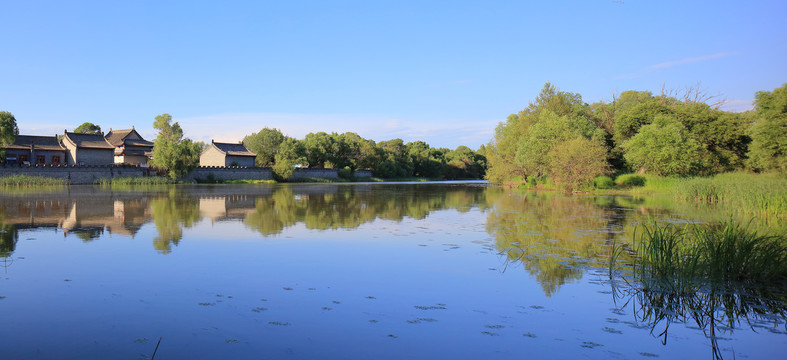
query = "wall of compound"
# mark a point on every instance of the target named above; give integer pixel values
(75, 175)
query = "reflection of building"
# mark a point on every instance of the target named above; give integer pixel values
(118, 217)
(226, 154)
(30, 149)
(222, 208)
(130, 147)
(88, 149)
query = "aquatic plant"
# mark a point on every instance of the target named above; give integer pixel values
(26, 180)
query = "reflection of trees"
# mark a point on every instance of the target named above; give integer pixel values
(350, 206)
(713, 308)
(553, 236)
(9, 236)
(170, 215)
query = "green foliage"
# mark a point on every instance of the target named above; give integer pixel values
(345, 173)
(630, 180)
(291, 154)
(683, 259)
(26, 180)
(134, 180)
(88, 128)
(576, 162)
(747, 193)
(172, 153)
(8, 131)
(265, 144)
(603, 182)
(664, 148)
(768, 150)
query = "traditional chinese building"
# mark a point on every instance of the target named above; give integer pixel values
(227, 154)
(130, 147)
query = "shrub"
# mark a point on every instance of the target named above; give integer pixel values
(603, 182)
(345, 173)
(630, 180)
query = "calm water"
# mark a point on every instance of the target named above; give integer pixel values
(367, 271)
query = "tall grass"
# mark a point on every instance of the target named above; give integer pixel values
(757, 194)
(26, 180)
(683, 259)
(135, 180)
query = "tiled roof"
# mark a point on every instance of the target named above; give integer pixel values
(24, 142)
(95, 141)
(118, 137)
(233, 149)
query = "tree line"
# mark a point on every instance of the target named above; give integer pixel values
(561, 137)
(350, 152)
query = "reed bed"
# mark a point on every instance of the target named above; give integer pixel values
(682, 259)
(29, 181)
(135, 180)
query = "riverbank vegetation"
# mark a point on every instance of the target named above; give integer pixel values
(27, 181)
(673, 134)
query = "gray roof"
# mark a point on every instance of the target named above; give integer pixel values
(118, 137)
(94, 141)
(26, 142)
(233, 149)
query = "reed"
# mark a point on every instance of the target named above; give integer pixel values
(135, 180)
(682, 259)
(27, 181)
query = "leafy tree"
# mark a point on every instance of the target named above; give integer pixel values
(171, 152)
(291, 154)
(664, 148)
(88, 128)
(319, 149)
(266, 144)
(576, 162)
(768, 150)
(8, 131)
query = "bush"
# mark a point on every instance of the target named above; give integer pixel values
(603, 182)
(630, 180)
(345, 173)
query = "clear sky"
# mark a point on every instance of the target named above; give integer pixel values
(445, 72)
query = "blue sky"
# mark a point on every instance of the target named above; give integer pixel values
(445, 72)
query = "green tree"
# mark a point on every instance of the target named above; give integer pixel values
(171, 152)
(576, 162)
(266, 144)
(768, 150)
(291, 154)
(88, 128)
(8, 131)
(664, 148)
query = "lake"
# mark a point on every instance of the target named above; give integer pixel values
(352, 271)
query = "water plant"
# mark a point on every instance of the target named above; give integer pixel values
(27, 180)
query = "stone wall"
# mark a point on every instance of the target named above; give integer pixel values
(315, 173)
(229, 173)
(74, 174)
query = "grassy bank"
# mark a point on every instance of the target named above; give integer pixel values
(747, 193)
(135, 180)
(27, 181)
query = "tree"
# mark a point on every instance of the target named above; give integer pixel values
(768, 150)
(8, 131)
(266, 144)
(291, 154)
(576, 162)
(88, 128)
(171, 152)
(664, 148)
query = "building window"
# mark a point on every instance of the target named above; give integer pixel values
(55, 159)
(40, 159)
